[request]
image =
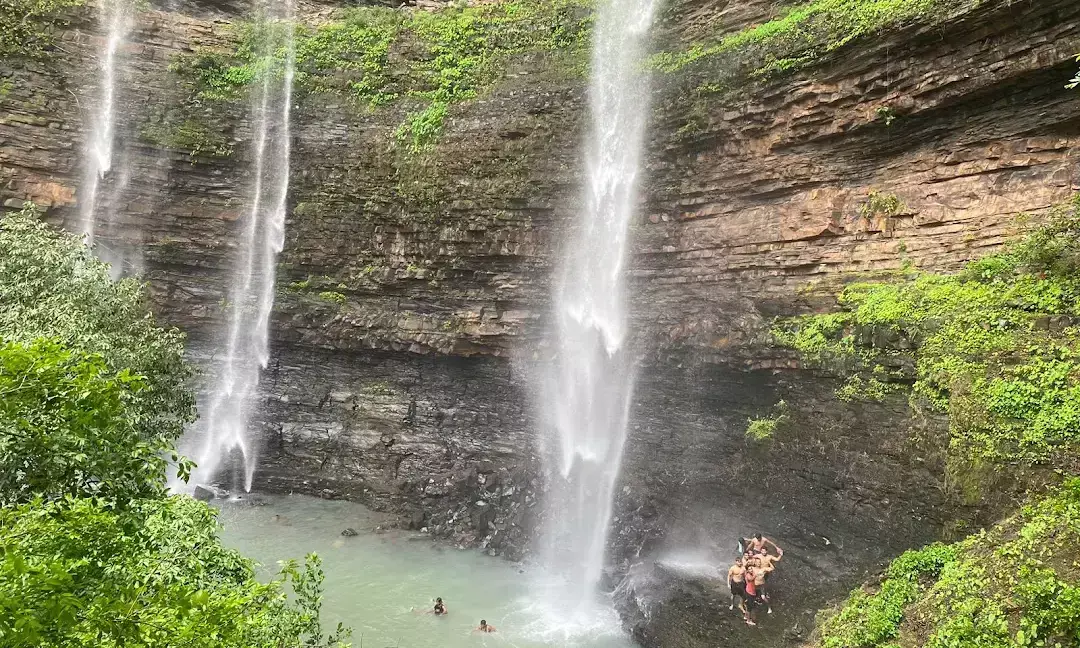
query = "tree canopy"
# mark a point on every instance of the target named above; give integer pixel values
(93, 551)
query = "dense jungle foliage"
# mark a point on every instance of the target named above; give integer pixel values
(93, 551)
(997, 347)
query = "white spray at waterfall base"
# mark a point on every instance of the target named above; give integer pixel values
(223, 434)
(586, 392)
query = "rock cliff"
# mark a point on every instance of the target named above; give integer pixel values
(413, 290)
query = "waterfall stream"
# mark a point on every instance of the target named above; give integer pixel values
(244, 350)
(102, 119)
(586, 392)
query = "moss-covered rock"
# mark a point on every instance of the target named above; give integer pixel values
(1016, 584)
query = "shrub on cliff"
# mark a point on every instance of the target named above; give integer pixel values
(1012, 586)
(68, 428)
(92, 551)
(51, 286)
(27, 27)
(997, 346)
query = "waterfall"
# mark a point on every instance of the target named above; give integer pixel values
(586, 391)
(102, 121)
(244, 350)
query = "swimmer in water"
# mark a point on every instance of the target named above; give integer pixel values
(484, 627)
(440, 607)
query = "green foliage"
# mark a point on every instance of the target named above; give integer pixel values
(28, 27)
(51, 286)
(867, 619)
(881, 204)
(92, 552)
(1075, 82)
(763, 429)
(806, 33)
(351, 55)
(1012, 586)
(76, 573)
(333, 297)
(66, 428)
(431, 59)
(995, 346)
(886, 114)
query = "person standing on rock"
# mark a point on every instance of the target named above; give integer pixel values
(760, 544)
(760, 588)
(736, 583)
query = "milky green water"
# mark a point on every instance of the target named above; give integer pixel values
(381, 583)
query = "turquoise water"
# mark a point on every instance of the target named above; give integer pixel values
(381, 583)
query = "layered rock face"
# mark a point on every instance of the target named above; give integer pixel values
(413, 292)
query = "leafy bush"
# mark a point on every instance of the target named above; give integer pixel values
(92, 552)
(67, 428)
(433, 59)
(333, 297)
(763, 429)
(1014, 585)
(28, 27)
(76, 573)
(881, 204)
(52, 287)
(995, 346)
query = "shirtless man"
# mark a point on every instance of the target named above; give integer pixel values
(484, 627)
(759, 544)
(736, 583)
(750, 599)
(760, 588)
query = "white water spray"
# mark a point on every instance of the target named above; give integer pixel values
(587, 390)
(224, 429)
(102, 123)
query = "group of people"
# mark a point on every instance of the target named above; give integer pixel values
(748, 578)
(440, 609)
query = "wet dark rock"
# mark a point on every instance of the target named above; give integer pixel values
(203, 494)
(350, 532)
(412, 397)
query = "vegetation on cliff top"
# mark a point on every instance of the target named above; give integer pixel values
(426, 60)
(1012, 586)
(807, 32)
(92, 551)
(996, 346)
(28, 27)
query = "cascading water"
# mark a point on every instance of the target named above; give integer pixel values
(245, 347)
(102, 122)
(587, 389)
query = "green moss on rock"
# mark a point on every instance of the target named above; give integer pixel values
(806, 33)
(996, 346)
(1014, 585)
(423, 61)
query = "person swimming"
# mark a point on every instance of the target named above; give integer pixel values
(484, 627)
(440, 607)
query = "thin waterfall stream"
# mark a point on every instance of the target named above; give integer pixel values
(102, 119)
(223, 436)
(586, 393)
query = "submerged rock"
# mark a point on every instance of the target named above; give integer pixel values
(350, 532)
